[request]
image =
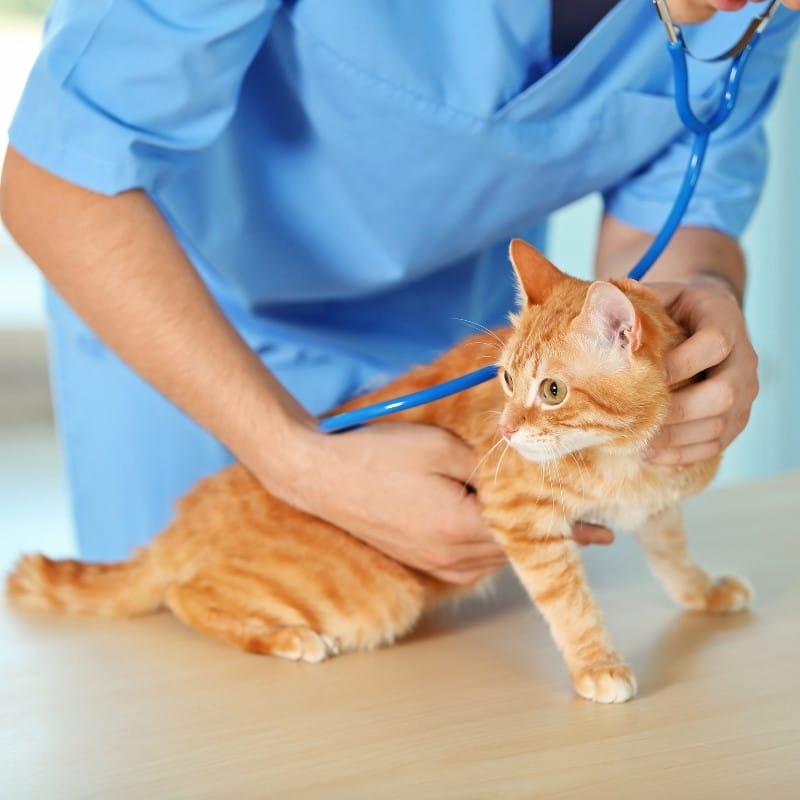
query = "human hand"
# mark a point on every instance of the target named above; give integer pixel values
(705, 416)
(588, 533)
(402, 489)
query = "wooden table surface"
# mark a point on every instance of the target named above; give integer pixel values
(476, 704)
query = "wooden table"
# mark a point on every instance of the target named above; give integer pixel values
(475, 705)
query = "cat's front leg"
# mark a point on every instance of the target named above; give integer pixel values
(547, 561)
(663, 541)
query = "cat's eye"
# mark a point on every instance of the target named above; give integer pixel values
(508, 380)
(553, 391)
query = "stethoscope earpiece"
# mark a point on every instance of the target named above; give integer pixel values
(755, 27)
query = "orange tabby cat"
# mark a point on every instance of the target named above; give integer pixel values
(581, 393)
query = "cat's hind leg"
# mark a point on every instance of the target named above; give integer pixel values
(204, 607)
(663, 541)
(268, 615)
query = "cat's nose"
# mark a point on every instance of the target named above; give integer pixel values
(507, 431)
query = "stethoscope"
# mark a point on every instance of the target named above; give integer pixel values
(702, 130)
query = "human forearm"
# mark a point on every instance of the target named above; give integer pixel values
(693, 256)
(114, 259)
(116, 262)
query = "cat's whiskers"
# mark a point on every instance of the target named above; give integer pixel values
(478, 327)
(550, 483)
(555, 459)
(492, 357)
(486, 455)
(500, 460)
(578, 464)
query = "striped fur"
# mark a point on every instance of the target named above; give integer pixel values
(243, 567)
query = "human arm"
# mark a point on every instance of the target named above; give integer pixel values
(115, 260)
(700, 278)
(122, 101)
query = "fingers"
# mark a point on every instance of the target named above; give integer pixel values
(465, 563)
(468, 573)
(465, 578)
(686, 455)
(707, 348)
(459, 458)
(700, 439)
(701, 430)
(463, 549)
(401, 490)
(699, 425)
(687, 442)
(708, 398)
(586, 533)
(705, 416)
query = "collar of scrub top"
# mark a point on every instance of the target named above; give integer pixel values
(702, 130)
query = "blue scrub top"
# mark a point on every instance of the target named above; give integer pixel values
(346, 175)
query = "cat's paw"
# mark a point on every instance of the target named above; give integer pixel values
(605, 683)
(302, 644)
(728, 595)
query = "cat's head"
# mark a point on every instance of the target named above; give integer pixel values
(583, 365)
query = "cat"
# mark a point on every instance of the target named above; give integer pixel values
(580, 392)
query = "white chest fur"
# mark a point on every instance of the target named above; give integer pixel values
(624, 491)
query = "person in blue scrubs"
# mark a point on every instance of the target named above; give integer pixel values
(258, 209)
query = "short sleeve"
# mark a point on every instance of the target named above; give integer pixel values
(124, 91)
(735, 164)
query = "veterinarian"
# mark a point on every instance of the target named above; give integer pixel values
(259, 209)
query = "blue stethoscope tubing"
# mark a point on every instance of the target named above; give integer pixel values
(358, 416)
(702, 131)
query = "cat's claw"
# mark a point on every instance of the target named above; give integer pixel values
(608, 683)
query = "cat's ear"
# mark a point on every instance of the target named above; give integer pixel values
(609, 316)
(536, 275)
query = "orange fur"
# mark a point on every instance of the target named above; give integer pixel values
(244, 567)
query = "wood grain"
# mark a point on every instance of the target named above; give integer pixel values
(475, 704)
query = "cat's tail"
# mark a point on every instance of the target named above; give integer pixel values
(123, 589)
